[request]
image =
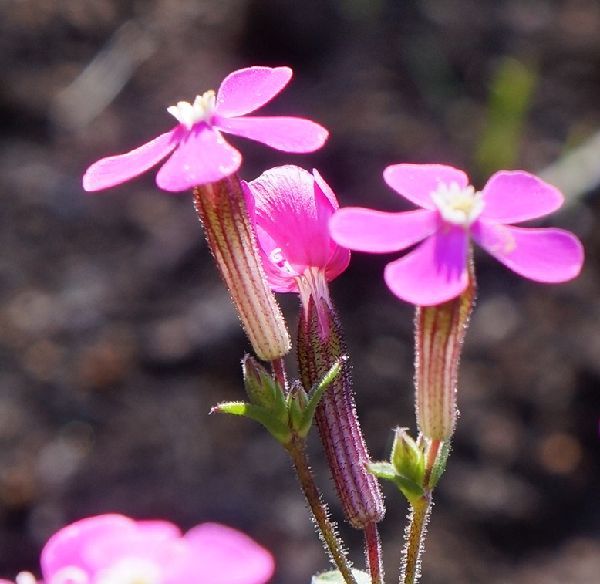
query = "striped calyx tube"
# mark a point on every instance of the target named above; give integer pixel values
(221, 207)
(318, 349)
(439, 335)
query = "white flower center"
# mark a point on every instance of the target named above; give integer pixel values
(130, 571)
(201, 110)
(457, 205)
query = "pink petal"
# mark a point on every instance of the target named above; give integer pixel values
(543, 255)
(416, 182)
(115, 170)
(513, 196)
(292, 213)
(325, 188)
(434, 272)
(283, 133)
(168, 552)
(158, 529)
(245, 90)
(68, 546)
(378, 231)
(202, 157)
(227, 556)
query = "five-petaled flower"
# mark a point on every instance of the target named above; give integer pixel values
(292, 208)
(200, 153)
(452, 213)
(114, 549)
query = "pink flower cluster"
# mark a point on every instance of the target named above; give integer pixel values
(114, 549)
(293, 207)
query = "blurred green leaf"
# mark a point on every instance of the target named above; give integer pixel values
(509, 100)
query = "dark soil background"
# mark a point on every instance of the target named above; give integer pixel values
(116, 334)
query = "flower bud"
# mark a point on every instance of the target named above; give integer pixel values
(408, 457)
(222, 210)
(440, 331)
(258, 383)
(336, 418)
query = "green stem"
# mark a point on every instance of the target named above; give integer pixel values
(297, 452)
(415, 534)
(411, 563)
(373, 553)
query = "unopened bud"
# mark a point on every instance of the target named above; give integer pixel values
(336, 417)
(440, 332)
(259, 384)
(222, 210)
(298, 395)
(408, 457)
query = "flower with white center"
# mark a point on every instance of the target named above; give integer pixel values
(452, 213)
(195, 149)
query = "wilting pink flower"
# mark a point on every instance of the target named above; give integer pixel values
(292, 209)
(201, 154)
(113, 549)
(451, 213)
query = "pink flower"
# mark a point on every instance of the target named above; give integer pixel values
(451, 213)
(113, 549)
(292, 209)
(201, 154)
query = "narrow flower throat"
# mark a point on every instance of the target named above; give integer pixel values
(201, 110)
(457, 205)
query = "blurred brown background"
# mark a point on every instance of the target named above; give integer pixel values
(116, 335)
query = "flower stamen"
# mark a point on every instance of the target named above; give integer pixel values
(458, 205)
(201, 110)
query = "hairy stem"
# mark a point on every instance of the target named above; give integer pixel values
(411, 561)
(330, 539)
(415, 534)
(373, 553)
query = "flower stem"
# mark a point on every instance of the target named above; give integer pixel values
(297, 452)
(421, 509)
(373, 553)
(411, 563)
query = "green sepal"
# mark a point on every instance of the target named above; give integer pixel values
(382, 470)
(386, 471)
(275, 426)
(440, 464)
(409, 489)
(284, 416)
(316, 393)
(335, 577)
